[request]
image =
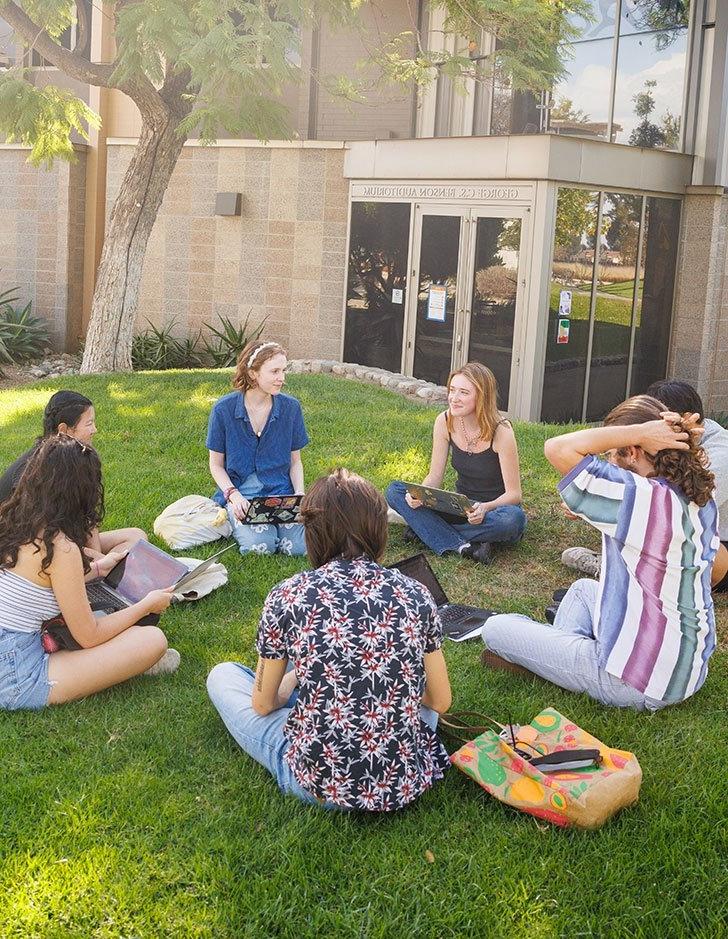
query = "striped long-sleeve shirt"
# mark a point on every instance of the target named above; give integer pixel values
(654, 621)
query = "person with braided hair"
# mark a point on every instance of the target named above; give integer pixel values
(642, 635)
(73, 414)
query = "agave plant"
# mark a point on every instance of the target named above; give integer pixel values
(157, 348)
(23, 336)
(230, 340)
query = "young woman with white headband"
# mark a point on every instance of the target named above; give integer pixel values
(255, 436)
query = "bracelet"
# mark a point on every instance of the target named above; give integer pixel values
(226, 493)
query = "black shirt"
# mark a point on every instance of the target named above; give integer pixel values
(12, 474)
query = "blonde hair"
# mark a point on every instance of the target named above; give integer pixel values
(687, 469)
(255, 354)
(486, 398)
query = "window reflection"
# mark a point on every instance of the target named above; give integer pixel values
(649, 89)
(495, 284)
(599, 23)
(377, 280)
(581, 102)
(615, 285)
(571, 285)
(654, 320)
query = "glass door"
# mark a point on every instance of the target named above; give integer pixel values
(436, 307)
(495, 251)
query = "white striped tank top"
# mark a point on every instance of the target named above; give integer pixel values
(25, 606)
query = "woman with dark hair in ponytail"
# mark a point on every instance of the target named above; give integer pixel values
(642, 635)
(44, 529)
(71, 413)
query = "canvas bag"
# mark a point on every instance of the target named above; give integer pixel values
(580, 798)
(215, 576)
(190, 521)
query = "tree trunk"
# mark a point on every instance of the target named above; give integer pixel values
(116, 296)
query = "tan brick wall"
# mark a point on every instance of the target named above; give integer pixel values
(386, 112)
(41, 237)
(700, 321)
(283, 259)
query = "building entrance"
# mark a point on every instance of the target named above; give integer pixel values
(464, 291)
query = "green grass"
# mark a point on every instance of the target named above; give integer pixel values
(133, 814)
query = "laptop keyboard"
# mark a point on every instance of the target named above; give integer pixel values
(97, 594)
(454, 612)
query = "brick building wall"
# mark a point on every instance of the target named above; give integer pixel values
(386, 112)
(283, 258)
(41, 237)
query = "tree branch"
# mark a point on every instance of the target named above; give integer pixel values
(83, 27)
(70, 62)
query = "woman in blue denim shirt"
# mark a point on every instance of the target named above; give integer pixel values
(255, 436)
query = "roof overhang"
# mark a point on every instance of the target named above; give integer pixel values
(572, 160)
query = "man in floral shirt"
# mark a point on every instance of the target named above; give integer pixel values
(364, 642)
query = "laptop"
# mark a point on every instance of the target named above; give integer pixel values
(273, 510)
(144, 568)
(459, 622)
(441, 500)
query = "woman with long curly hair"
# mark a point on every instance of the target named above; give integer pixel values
(255, 436)
(44, 529)
(71, 413)
(642, 635)
(484, 454)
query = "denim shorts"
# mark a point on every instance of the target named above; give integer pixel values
(23, 671)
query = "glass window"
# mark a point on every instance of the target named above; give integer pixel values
(615, 286)
(581, 101)
(654, 317)
(495, 284)
(600, 22)
(569, 305)
(377, 280)
(649, 89)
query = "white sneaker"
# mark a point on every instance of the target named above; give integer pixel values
(583, 560)
(168, 664)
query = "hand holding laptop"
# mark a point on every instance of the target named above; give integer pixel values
(158, 600)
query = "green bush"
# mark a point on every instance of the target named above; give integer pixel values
(158, 349)
(23, 336)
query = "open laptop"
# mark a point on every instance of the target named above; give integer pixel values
(459, 622)
(144, 568)
(441, 500)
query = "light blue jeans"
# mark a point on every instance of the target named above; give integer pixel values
(567, 652)
(504, 525)
(230, 686)
(265, 539)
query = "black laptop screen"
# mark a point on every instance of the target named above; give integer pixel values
(418, 568)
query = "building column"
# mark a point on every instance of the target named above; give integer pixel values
(699, 350)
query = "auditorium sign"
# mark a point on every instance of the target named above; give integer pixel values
(474, 192)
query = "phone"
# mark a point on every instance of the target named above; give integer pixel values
(567, 759)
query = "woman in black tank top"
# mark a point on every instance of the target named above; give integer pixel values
(484, 454)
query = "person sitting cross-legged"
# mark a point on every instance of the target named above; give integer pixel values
(351, 725)
(681, 398)
(484, 453)
(642, 636)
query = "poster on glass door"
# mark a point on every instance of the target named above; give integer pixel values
(437, 303)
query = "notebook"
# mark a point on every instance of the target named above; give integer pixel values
(459, 622)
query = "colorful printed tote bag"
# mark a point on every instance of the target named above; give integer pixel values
(584, 798)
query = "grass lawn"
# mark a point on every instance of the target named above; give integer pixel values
(134, 814)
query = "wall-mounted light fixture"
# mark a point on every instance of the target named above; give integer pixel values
(228, 203)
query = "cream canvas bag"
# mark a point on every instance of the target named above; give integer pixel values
(190, 521)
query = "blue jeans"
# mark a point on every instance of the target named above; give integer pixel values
(567, 652)
(504, 525)
(265, 539)
(23, 671)
(230, 686)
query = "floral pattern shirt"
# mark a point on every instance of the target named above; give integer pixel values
(357, 634)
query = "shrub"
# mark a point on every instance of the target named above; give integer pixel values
(158, 348)
(23, 336)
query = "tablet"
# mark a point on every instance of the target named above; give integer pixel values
(273, 510)
(440, 500)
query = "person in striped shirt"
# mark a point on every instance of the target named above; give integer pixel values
(642, 635)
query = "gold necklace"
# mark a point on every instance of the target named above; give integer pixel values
(470, 442)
